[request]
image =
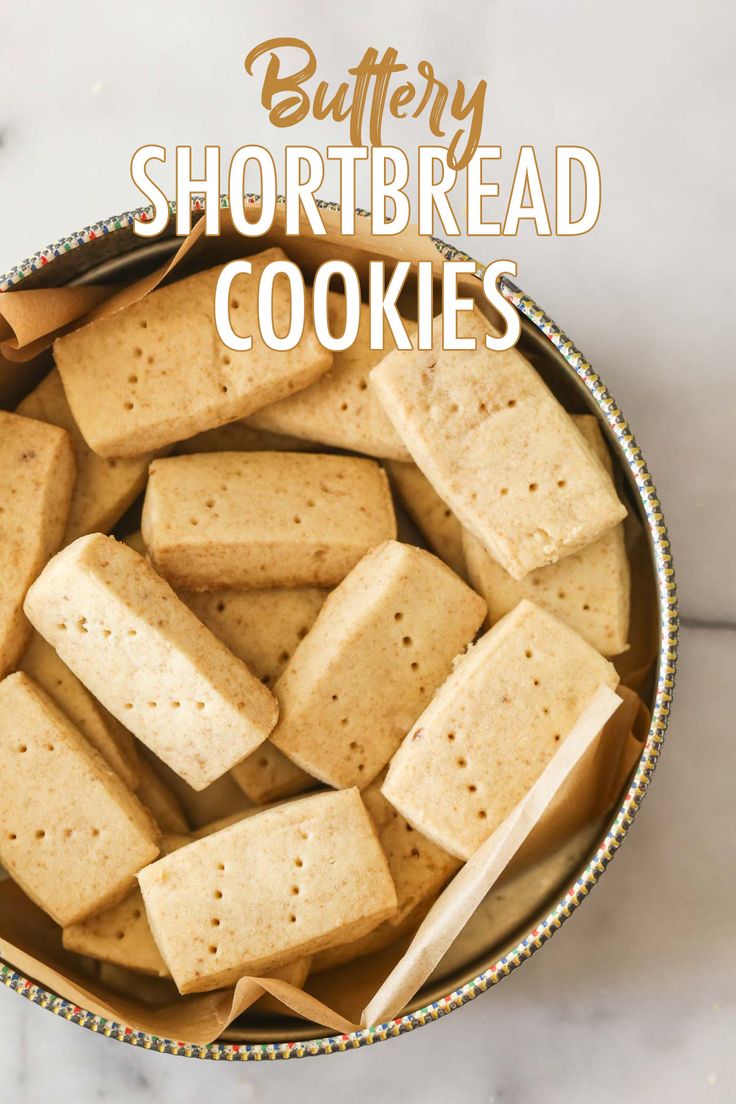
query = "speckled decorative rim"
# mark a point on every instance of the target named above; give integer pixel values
(667, 659)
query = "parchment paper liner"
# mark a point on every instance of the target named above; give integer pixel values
(31, 941)
(579, 785)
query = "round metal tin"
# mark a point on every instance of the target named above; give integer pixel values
(58, 265)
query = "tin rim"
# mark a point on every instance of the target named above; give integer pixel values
(666, 665)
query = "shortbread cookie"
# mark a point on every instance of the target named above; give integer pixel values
(157, 371)
(242, 437)
(143, 654)
(419, 870)
(160, 800)
(104, 489)
(382, 644)
(429, 513)
(270, 889)
(418, 867)
(221, 798)
(71, 834)
(588, 590)
(491, 730)
(499, 450)
(121, 934)
(36, 482)
(114, 743)
(268, 774)
(263, 519)
(263, 628)
(339, 409)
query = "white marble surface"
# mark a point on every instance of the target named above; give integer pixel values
(635, 997)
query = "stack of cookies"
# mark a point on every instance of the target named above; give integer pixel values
(259, 734)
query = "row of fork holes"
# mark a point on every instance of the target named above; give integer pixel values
(40, 833)
(174, 704)
(534, 487)
(561, 594)
(120, 934)
(133, 377)
(415, 850)
(407, 642)
(462, 762)
(210, 504)
(82, 627)
(226, 358)
(215, 921)
(362, 386)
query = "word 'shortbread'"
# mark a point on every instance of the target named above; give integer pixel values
(429, 513)
(263, 628)
(383, 642)
(274, 887)
(340, 409)
(263, 519)
(146, 657)
(71, 833)
(491, 730)
(104, 732)
(122, 934)
(36, 483)
(588, 590)
(157, 371)
(499, 450)
(104, 489)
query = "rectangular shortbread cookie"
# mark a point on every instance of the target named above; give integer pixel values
(272, 888)
(104, 489)
(157, 372)
(114, 743)
(432, 517)
(145, 656)
(419, 870)
(588, 590)
(491, 730)
(121, 934)
(263, 628)
(36, 483)
(499, 450)
(339, 409)
(71, 833)
(383, 642)
(263, 519)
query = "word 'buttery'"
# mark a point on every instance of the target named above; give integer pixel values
(371, 92)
